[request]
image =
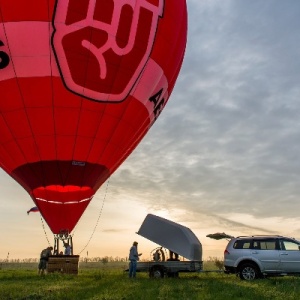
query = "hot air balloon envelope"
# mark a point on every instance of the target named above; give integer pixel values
(81, 84)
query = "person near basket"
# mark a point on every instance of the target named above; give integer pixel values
(44, 256)
(67, 249)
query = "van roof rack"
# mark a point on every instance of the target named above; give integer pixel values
(259, 235)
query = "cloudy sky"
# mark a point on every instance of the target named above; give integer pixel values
(224, 154)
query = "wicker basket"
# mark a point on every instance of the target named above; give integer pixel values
(67, 264)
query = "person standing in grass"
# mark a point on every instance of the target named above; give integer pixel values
(44, 259)
(133, 257)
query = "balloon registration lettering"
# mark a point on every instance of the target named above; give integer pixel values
(158, 102)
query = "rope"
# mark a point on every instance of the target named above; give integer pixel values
(45, 230)
(100, 213)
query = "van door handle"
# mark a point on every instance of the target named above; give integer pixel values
(254, 252)
(283, 254)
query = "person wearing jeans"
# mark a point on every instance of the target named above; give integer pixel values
(133, 258)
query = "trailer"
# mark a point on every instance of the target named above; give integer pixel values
(179, 251)
(160, 269)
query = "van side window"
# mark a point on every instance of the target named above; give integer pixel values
(242, 244)
(265, 244)
(256, 245)
(268, 245)
(289, 245)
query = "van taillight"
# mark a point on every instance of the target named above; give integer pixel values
(226, 252)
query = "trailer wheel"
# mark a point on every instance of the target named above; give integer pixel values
(157, 272)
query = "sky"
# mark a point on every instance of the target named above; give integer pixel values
(222, 157)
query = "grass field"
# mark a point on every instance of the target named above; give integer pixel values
(110, 282)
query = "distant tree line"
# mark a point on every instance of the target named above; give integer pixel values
(219, 263)
(18, 260)
(104, 259)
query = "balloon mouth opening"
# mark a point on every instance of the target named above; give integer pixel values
(62, 206)
(63, 194)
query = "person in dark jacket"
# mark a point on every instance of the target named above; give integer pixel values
(44, 259)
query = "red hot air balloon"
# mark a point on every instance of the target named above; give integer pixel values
(81, 83)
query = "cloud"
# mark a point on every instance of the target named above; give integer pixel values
(228, 140)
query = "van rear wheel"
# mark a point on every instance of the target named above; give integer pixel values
(248, 272)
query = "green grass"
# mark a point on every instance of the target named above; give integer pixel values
(110, 282)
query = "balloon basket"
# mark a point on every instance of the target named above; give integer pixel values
(67, 264)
